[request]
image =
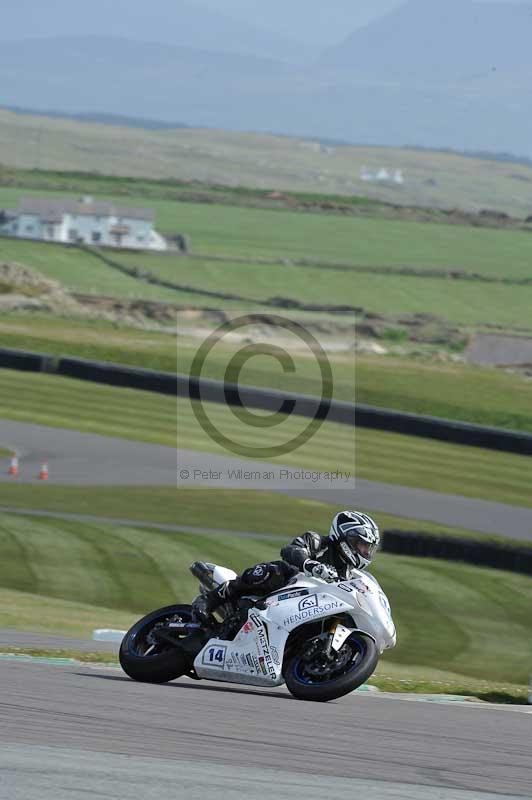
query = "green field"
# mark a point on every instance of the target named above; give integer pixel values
(241, 159)
(468, 303)
(464, 608)
(256, 233)
(285, 235)
(79, 271)
(367, 242)
(392, 458)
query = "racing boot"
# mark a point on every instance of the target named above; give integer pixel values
(201, 612)
(204, 605)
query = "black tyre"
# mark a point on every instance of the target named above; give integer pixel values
(311, 679)
(146, 659)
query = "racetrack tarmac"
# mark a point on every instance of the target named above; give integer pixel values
(72, 732)
(76, 458)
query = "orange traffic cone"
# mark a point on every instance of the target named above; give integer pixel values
(13, 465)
(43, 474)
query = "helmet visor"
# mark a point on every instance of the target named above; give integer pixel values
(358, 545)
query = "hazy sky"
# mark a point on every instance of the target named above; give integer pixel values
(317, 22)
(307, 20)
(312, 20)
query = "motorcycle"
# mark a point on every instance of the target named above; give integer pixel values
(323, 640)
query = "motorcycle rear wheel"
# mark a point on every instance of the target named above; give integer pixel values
(306, 686)
(145, 661)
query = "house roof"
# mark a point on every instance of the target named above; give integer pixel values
(53, 210)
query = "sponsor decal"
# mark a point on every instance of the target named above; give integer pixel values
(214, 657)
(345, 587)
(361, 586)
(250, 662)
(274, 601)
(309, 613)
(264, 648)
(291, 595)
(247, 627)
(275, 655)
(258, 572)
(308, 602)
(262, 665)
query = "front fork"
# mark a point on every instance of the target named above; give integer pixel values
(336, 638)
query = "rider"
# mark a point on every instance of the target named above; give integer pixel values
(351, 544)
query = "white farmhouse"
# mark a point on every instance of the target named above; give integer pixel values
(84, 221)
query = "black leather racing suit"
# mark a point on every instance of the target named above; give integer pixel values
(263, 579)
(317, 548)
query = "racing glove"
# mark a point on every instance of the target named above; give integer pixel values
(323, 571)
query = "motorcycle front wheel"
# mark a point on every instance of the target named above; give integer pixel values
(322, 679)
(145, 658)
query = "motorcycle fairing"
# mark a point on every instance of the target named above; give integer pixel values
(253, 657)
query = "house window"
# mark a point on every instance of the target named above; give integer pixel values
(51, 231)
(72, 234)
(29, 228)
(96, 236)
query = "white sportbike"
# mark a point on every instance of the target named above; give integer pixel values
(322, 639)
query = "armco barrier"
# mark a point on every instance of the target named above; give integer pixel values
(303, 405)
(25, 361)
(453, 548)
(117, 375)
(386, 419)
(272, 400)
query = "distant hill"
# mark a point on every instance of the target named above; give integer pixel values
(143, 123)
(102, 119)
(179, 23)
(112, 75)
(427, 40)
(436, 73)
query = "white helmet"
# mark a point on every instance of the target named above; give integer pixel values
(356, 538)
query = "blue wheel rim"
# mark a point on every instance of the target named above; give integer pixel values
(298, 667)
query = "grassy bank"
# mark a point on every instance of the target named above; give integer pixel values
(264, 513)
(452, 391)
